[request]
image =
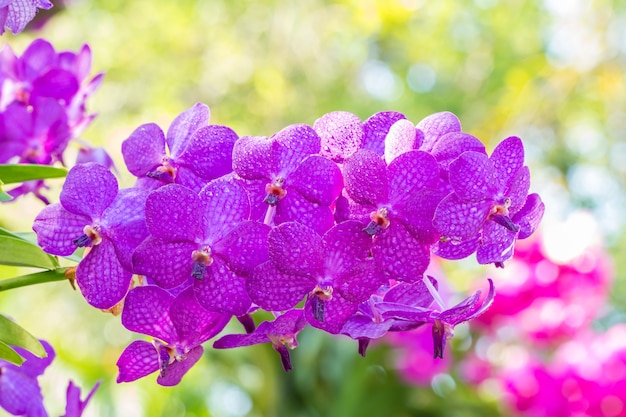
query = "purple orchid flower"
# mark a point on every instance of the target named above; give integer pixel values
(334, 272)
(376, 128)
(179, 324)
(437, 125)
(281, 333)
(400, 199)
(488, 204)
(286, 173)
(208, 237)
(370, 322)
(15, 14)
(196, 152)
(341, 133)
(442, 318)
(20, 394)
(92, 213)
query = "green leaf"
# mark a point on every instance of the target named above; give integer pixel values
(10, 355)
(4, 196)
(19, 252)
(13, 173)
(33, 279)
(13, 334)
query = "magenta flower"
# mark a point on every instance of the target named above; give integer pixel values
(334, 272)
(179, 324)
(490, 207)
(93, 213)
(20, 394)
(208, 237)
(281, 333)
(341, 133)
(15, 14)
(196, 152)
(400, 200)
(376, 128)
(288, 178)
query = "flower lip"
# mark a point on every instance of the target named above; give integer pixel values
(275, 191)
(165, 172)
(379, 221)
(92, 236)
(201, 259)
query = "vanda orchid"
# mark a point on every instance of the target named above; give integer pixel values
(347, 235)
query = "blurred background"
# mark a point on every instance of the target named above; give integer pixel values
(549, 71)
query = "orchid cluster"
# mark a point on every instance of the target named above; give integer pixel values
(330, 226)
(20, 393)
(42, 106)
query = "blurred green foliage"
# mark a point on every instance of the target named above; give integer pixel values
(549, 71)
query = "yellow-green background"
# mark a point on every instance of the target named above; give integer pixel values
(550, 71)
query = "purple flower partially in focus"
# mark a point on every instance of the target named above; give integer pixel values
(334, 272)
(287, 177)
(208, 237)
(281, 333)
(400, 200)
(341, 133)
(490, 207)
(92, 213)
(371, 322)
(192, 153)
(376, 128)
(179, 324)
(15, 14)
(20, 394)
(442, 318)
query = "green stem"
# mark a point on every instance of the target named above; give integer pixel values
(31, 279)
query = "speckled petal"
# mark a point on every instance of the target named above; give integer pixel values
(399, 255)
(175, 372)
(507, 159)
(456, 250)
(254, 157)
(210, 152)
(295, 208)
(146, 310)
(56, 228)
(417, 214)
(273, 290)
(288, 324)
(184, 125)
(169, 264)
(360, 326)
(296, 249)
(410, 173)
(375, 129)
(460, 220)
(518, 190)
(139, 359)
(414, 294)
(365, 178)
(358, 284)
(529, 216)
(297, 142)
(88, 190)
(451, 145)
(222, 290)
(244, 247)
(346, 247)
(402, 137)
(174, 212)
(144, 149)
(101, 278)
(336, 313)
(185, 176)
(194, 324)
(342, 134)
(497, 244)
(435, 126)
(472, 177)
(20, 13)
(125, 223)
(225, 203)
(318, 180)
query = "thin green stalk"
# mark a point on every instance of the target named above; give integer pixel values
(57, 274)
